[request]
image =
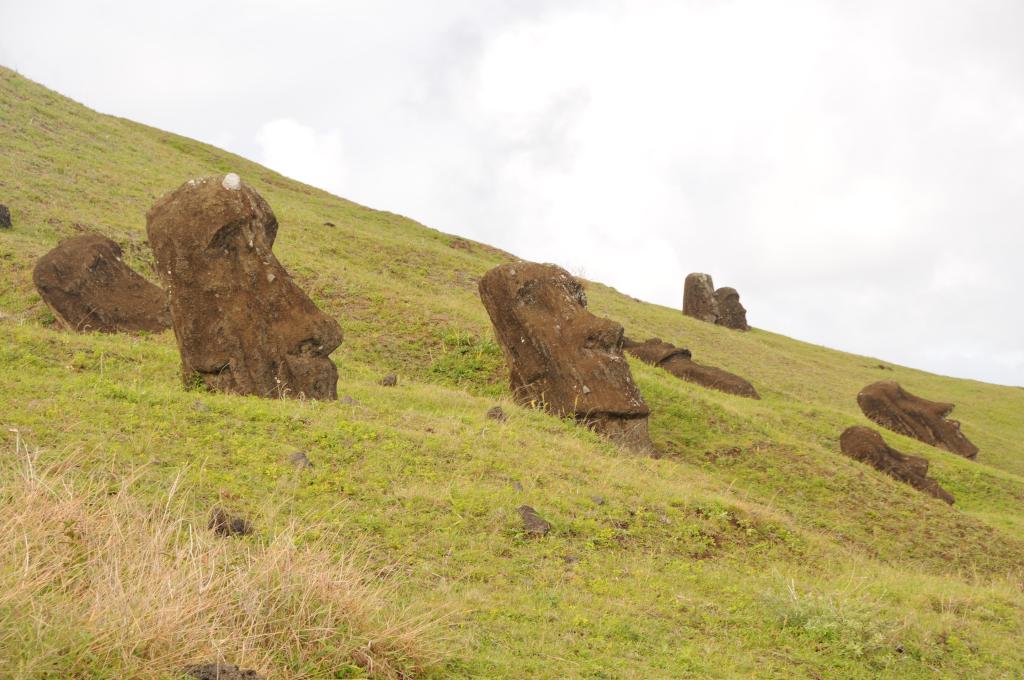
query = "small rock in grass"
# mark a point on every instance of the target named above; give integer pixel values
(348, 400)
(5, 217)
(570, 559)
(598, 500)
(533, 523)
(390, 380)
(300, 460)
(328, 224)
(496, 413)
(223, 524)
(221, 671)
(517, 485)
(200, 406)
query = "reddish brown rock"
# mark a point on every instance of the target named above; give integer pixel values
(895, 409)
(679, 363)
(699, 298)
(866, 445)
(88, 288)
(242, 324)
(731, 313)
(560, 356)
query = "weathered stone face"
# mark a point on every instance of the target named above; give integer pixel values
(895, 409)
(560, 356)
(88, 288)
(679, 363)
(864, 444)
(731, 313)
(242, 324)
(699, 298)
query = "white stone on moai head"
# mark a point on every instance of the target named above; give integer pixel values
(232, 182)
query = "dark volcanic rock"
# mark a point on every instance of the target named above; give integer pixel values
(220, 671)
(390, 380)
(731, 313)
(242, 324)
(533, 523)
(497, 413)
(224, 524)
(89, 288)
(5, 217)
(895, 409)
(560, 356)
(677, 361)
(699, 298)
(300, 460)
(866, 445)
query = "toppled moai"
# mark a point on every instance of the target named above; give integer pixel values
(679, 362)
(242, 324)
(88, 287)
(892, 407)
(560, 356)
(866, 445)
(721, 307)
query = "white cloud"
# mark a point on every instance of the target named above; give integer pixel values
(300, 152)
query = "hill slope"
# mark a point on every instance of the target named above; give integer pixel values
(752, 549)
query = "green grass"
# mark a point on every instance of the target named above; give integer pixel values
(751, 549)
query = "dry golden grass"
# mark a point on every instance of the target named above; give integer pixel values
(94, 583)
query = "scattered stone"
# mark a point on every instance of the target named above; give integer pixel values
(561, 357)
(866, 445)
(220, 671)
(497, 413)
(598, 500)
(518, 486)
(721, 307)
(678, 362)
(348, 400)
(892, 407)
(731, 313)
(88, 288)
(390, 380)
(533, 523)
(459, 244)
(699, 298)
(223, 524)
(5, 217)
(570, 560)
(300, 460)
(329, 224)
(200, 406)
(242, 324)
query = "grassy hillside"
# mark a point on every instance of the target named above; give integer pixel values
(751, 549)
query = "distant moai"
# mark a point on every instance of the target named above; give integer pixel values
(721, 307)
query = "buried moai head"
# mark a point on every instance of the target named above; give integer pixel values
(721, 307)
(731, 313)
(89, 288)
(888, 404)
(560, 356)
(242, 324)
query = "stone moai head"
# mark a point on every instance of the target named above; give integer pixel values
(242, 324)
(560, 356)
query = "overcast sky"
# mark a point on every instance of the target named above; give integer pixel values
(854, 169)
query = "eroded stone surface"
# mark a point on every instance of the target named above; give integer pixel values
(888, 404)
(679, 363)
(242, 324)
(866, 445)
(561, 357)
(731, 313)
(220, 671)
(88, 288)
(699, 297)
